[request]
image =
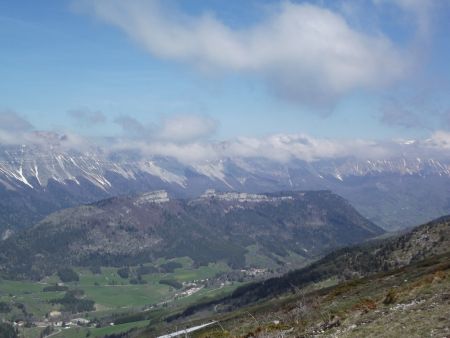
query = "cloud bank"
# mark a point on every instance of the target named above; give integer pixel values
(176, 128)
(306, 53)
(188, 140)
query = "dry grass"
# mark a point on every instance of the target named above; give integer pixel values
(412, 302)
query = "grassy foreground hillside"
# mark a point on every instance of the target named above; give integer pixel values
(410, 302)
(395, 287)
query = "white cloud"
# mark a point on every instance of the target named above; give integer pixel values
(286, 147)
(11, 121)
(16, 130)
(306, 53)
(47, 139)
(187, 153)
(279, 148)
(174, 128)
(186, 127)
(440, 140)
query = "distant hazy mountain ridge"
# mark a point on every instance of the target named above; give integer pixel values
(34, 167)
(37, 180)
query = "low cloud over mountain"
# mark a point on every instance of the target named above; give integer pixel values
(190, 139)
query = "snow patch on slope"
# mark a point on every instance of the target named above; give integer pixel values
(215, 171)
(242, 197)
(165, 175)
(153, 197)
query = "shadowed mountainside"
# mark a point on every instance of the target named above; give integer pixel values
(132, 230)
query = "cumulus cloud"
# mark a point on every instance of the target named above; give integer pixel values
(87, 117)
(306, 53)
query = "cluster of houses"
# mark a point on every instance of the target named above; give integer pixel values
(54, 319)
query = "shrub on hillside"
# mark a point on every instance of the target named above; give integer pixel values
(7, 331)
(72, 302)
(4, 307)
(391, 297)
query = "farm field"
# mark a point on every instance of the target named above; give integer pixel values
(99, 332)
(129, 297)
(112, 294)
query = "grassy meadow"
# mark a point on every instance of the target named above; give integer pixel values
(112, 294)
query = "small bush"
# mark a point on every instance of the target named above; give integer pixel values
(72, 302)
(391, 297)
(7, 331)
(5, 307)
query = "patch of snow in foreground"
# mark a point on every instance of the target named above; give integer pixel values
(192, 329)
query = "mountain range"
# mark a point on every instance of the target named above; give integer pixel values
(123, 231)
(40, 179)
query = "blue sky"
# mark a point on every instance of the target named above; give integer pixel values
(63, 63)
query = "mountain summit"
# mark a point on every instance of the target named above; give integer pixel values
(214, 227)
